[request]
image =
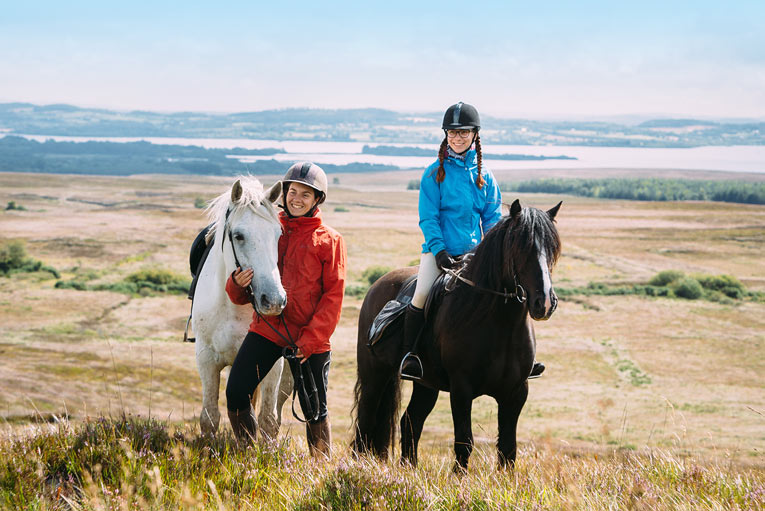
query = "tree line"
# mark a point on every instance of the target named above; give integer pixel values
(653, 189)
(18, 154)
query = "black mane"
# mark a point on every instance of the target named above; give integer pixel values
(503, 250)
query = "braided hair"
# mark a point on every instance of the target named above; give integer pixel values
(479, 182)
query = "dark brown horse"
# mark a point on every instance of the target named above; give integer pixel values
(480, 341)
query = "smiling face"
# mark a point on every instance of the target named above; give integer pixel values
(460, 140)
(300, 199)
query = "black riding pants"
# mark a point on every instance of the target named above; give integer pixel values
(255, 358)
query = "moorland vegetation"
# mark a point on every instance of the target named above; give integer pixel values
(142, 463)
(647, 403)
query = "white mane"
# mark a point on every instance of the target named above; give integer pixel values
(252, 197)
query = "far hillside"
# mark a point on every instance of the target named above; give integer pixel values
(368, 125)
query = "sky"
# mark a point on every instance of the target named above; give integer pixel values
(545, 59)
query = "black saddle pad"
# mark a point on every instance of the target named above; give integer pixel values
(200, 249)
(389, 322)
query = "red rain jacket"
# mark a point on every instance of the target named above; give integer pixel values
(312, 265)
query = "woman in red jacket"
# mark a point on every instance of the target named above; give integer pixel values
(312, 266)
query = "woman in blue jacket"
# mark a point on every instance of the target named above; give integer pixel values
(459, 202)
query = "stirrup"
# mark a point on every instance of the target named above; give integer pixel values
(412, 377)
(539, 367)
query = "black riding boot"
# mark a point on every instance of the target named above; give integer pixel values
(411, 367)
(537, 370)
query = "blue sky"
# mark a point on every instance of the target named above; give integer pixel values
(578, 59)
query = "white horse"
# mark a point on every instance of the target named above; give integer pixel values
(245, 217)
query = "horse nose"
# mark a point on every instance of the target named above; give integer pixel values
(538, 307)
(278, 304)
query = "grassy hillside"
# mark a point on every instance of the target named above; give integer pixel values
(647, 402)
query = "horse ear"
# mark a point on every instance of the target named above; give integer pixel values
(274, 191)
(554, 211)
(236, 191)
(515, 208)
(505, 209)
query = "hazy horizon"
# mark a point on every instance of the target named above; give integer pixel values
(551, 61)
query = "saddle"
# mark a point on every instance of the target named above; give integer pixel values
(200, 249)
(389, 322)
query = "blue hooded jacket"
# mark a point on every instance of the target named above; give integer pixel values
(455, 213)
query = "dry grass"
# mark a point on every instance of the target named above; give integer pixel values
(693, 383)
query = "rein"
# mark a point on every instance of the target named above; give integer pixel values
(519, 293)
(309, 399)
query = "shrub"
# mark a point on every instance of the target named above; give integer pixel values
(157, 276)
(726, 284)
(341, 209)
(200, 203)
(688, 288)
(71, 284)
(13, 259)
(13, 255)
(413, 184)
(13, 206)
(666, 277)
(373, 273)
(354, 290)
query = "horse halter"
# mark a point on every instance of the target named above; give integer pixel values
(519, 293)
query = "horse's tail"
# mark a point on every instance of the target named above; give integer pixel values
(377, 396)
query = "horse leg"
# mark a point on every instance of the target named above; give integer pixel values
(377, 399)
(509, 409)
(268, 388)
(420, 405)
(209, 373)
(462, 406)
(286, 384)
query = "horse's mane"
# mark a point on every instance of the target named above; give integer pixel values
(252, 195)
(494, 259)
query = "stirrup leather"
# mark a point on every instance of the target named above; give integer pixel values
(405, 376)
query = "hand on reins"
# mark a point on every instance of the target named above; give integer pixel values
(445, 261)
(300, 356)
(243, 278)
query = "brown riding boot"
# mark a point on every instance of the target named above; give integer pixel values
(319, 438)
(244, 425)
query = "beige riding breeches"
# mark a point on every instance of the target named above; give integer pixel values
(427, 275)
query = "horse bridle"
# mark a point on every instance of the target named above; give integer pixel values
(519, 293)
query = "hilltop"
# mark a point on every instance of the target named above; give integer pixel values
(367, 125)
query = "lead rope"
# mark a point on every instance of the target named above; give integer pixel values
(292, 359)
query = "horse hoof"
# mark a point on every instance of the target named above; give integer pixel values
(459, 469)
(407, 462)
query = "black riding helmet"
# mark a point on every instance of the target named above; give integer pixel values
(461, 116)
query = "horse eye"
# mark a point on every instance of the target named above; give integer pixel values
(238, 237)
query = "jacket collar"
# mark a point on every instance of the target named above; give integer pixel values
(468, 158)
(301, 222)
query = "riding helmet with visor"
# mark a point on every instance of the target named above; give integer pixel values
(461, 116)
(309, 174)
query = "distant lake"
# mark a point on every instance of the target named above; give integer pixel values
(721, 158)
